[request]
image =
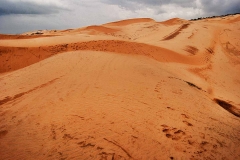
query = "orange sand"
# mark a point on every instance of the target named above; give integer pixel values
(133, 89)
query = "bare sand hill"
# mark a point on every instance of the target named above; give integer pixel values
(133, 89)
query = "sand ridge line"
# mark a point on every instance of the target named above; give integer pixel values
(130, 21)
(176, 32)
(8, 98)
(10, 37)
(100, 29)
(173, 21)
(12, 54)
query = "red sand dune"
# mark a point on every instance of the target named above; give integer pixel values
(133, 89)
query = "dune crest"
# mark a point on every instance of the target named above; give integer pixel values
(9, 37)
(102, 29)
(132, 89)
(174, 21)
(130, 21)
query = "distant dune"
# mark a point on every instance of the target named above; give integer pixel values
(174, 21)
(130, 21)
(132, 89)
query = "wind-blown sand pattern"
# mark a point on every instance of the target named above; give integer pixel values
(132, 89)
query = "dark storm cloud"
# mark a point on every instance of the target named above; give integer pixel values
(233, 9)
(130, 3)
(20, 7)
(209, 7)
(221, 7)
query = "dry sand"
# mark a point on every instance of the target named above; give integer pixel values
(133, 89)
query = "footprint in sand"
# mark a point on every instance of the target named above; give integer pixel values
(184, 121)
(173, 133)
(3, 133)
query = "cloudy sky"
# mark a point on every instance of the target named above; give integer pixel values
(18, 16)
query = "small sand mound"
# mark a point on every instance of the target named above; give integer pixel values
(67, 30)
(237, 19)
(101, 29)
(174, 21)
(130, 21)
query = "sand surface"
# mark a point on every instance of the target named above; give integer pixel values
(133, 89)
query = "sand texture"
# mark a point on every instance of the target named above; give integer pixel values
(133, 89)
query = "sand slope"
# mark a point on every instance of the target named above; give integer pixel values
(133, 89)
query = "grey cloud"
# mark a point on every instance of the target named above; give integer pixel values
(19, 7)
(233, 9)
(221, 6)
(208, 7)
(132, 3)
(18, 16)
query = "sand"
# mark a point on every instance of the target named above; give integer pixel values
(132, 89)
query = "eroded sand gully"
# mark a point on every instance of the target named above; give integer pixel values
(133, 89)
